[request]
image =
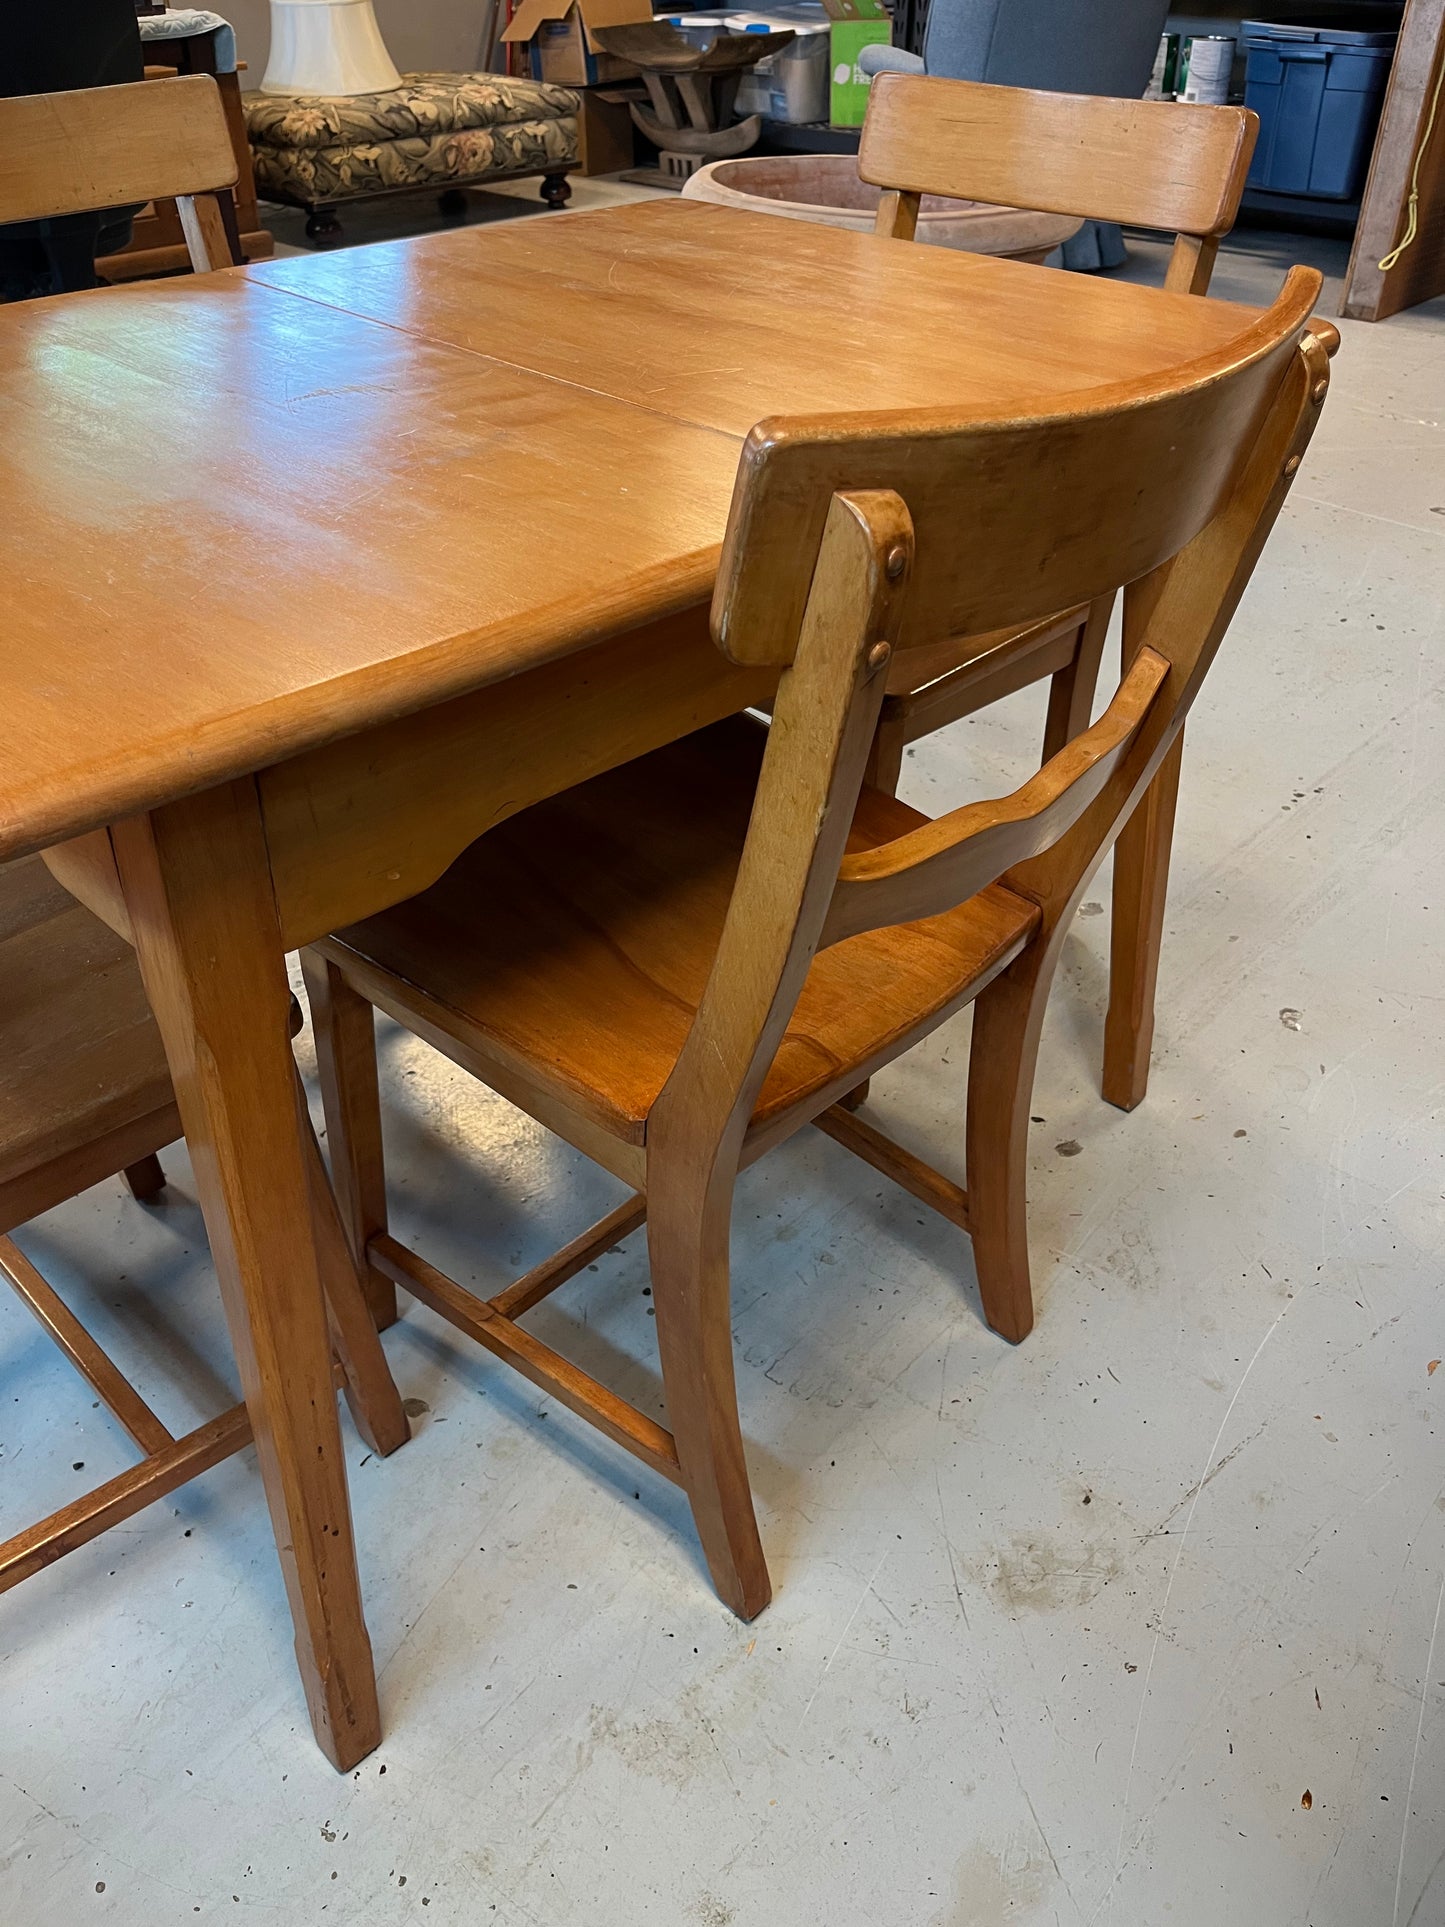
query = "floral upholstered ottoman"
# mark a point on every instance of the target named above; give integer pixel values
(445, 132)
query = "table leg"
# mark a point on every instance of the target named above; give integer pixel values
(198, 889)
(1141, 882)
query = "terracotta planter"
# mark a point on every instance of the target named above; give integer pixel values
(826, 188)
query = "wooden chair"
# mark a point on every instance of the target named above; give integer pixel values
(1145, 164)
(105, 147)
(1142, 163)
(681, 963)
(84, 1093)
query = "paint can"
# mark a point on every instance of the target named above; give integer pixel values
(1208, 65)
(1165, 77)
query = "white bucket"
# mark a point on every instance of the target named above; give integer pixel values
(1211, 63)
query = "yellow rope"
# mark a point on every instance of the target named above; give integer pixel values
(1411, 226)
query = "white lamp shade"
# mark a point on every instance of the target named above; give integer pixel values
(327, 47)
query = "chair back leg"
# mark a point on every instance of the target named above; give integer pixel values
(370, 1390)
(1141, 883)
(146, 1178)
(1071, 689)
(1007, 1021)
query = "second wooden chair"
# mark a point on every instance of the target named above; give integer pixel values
(85, 1093)
(1151, 164)
(106, 147)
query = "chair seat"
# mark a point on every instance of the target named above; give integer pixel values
(80, 1055)
(572, 943)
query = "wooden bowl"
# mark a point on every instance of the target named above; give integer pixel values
(826, 188)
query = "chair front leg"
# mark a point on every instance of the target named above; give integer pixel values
(688, 1227)
(343, 1025)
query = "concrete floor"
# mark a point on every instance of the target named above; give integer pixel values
(1137, 1624)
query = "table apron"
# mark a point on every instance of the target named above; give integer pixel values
(369, 821)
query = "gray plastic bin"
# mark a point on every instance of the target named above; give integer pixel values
(1318, 93)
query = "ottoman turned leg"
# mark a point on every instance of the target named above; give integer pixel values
(556, 190)
(323, 226)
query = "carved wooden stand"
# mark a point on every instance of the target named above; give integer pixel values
(691, 89)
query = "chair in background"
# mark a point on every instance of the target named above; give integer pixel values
(85, 1093)
(1151, 164)
(87, 43)
(678, 965)
(1145, 163)
(112, 147)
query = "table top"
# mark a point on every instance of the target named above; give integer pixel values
(243, 516)
(715, 317)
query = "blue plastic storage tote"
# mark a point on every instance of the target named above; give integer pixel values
(1318, 93)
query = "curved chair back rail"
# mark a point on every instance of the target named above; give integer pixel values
(943, 863)
(1012, 520)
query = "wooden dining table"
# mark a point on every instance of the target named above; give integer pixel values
(317, 569)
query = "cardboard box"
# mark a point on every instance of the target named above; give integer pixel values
(560, 33)
(856, 24)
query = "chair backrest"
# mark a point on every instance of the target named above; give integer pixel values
(850, 538)
(1078, 46)
(104, 147)
(1143, 163)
